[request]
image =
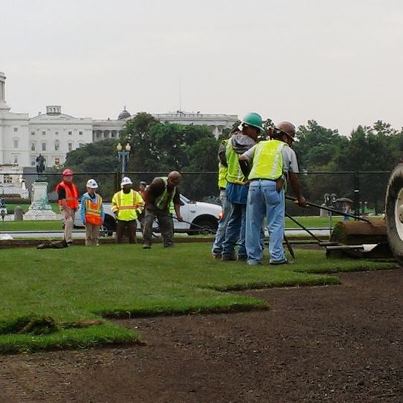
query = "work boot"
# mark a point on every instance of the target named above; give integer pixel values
(146, 246)
(278, 262)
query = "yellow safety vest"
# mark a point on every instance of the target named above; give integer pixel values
(234, 173)
(267, 160)
(222, 172)
(127, 204)
(222, 176)
(166, 198)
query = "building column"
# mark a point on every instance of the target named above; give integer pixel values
(3, 105)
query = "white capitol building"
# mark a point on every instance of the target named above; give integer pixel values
(53, 134)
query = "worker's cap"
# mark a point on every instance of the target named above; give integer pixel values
(143, 183)
(67, 172)
(92, 184)
(126, 181)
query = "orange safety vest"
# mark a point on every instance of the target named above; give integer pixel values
(93, 211)
(71, 194)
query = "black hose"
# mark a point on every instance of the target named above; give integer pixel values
(331, 210)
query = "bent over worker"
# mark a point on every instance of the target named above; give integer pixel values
(273, 161)
(159, 196)
(126, 205)
(92, 213)
(67, 198)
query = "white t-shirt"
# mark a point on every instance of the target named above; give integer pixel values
(290, 163)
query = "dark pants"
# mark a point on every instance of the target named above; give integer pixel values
(131, 230)
(165, 223)
(140, 218)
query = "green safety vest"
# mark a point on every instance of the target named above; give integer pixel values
(234, 173)
(166, 198)
(222, 176)
(267, 160)
(222, 172)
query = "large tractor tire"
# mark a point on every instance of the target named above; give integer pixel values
(394, 212)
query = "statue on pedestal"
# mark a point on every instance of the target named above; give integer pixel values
(40, 165)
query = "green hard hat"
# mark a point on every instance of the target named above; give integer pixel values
(253, 119)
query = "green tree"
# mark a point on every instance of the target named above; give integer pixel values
(92, 159)
(318, 149)
(163, 147)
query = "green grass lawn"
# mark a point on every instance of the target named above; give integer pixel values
(52, 225)
(307, 221)
(25, 207)
(47, 295)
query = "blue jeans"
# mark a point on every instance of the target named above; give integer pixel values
(235, 231)
(265, 201)
(222, 225)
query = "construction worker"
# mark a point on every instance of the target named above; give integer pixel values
(67, 198)
(126, 205)
(216, 251)
(272, 162)
(142, 188)
(237, 190)
(92, 213)
(160, 194)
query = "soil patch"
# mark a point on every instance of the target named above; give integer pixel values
(338, 344)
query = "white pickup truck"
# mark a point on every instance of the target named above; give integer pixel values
(198, 218)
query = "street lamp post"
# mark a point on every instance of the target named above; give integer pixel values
(123, 156)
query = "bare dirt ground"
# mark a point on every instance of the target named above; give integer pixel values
(337, 344)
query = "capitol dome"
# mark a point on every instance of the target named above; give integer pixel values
(124, 114)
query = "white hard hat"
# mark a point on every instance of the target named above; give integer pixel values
(92, 184)
(126, 181)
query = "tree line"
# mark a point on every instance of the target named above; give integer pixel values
(323, 154)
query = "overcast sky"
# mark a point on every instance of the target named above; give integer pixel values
(338, 62)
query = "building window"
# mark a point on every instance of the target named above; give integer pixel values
(15, 129)
(80, 133)
(70, 146)
(32, 133)
(43, 146)
(43, 132)
(7, 179)
(57, 145)
(56, 133)
(15, 142)
(33, 161)
(57, 161)
(70, 133)
(33, 146)
(15, 157)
